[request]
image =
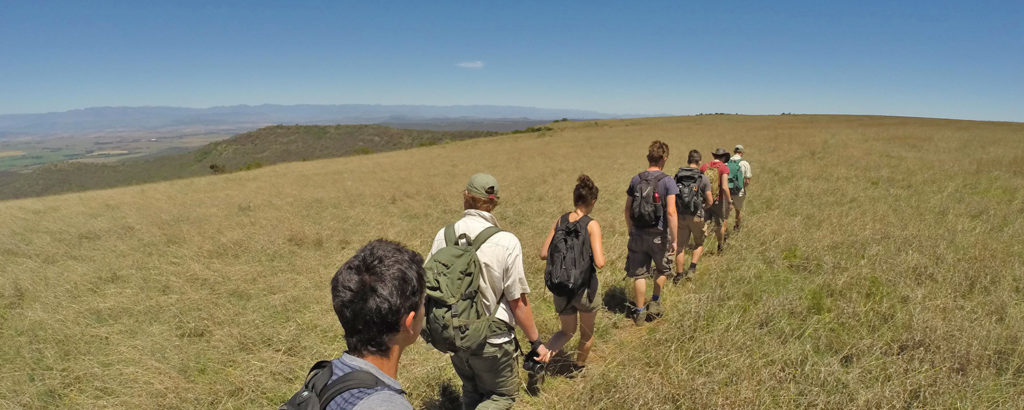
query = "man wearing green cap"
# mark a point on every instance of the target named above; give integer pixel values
(742, 196)
(490, 377)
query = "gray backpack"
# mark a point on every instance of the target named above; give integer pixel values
(456, 319)
(318, 391)
(648, 207)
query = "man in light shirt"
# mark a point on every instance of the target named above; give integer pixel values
(490, 374)
(739, 199)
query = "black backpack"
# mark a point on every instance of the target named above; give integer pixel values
(690, 200)
(319, 390)
(647, 209)
(570, 258)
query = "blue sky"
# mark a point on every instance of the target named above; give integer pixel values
(919, 58)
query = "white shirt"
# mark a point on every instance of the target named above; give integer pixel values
(502, 260)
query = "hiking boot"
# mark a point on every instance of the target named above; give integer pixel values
(679, 277)
(639, 317)
(575, 371)
(690, 273)
(736, 229)
(654, 309)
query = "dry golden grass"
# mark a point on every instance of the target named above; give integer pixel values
(880, 266)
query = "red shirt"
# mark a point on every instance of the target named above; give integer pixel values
(723, 175)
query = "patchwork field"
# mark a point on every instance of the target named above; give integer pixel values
(881, 265)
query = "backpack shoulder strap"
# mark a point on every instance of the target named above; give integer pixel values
(449, 235)
(356, 379)
(564, 220)
(483, 236)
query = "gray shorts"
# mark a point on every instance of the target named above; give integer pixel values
(645, 247)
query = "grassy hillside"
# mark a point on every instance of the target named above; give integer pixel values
(880, 266)
(269, 145)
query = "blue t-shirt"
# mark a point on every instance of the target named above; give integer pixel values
(666, 186)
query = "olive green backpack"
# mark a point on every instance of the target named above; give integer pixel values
(456, 319)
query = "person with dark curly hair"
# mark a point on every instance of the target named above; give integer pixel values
(581, 308)
(378, 296)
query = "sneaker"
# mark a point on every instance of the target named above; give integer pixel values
(654, 309)
(679, 277)
(639, 317)
(690, 273)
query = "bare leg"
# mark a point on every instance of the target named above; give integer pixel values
(696, 254)
(681, 259)
(659, 283)
(563, 336)
(586, 336)
(639, 292)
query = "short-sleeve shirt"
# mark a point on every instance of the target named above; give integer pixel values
(502, 260)
(666, 186)
(723, 174)
(388, 396)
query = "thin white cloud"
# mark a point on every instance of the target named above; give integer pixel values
(475, 65)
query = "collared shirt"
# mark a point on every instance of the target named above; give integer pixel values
(502, 260)
(383, 397)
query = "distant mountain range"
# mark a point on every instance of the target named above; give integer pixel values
(237, 118)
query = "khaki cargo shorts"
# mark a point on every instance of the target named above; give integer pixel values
(579, 304)
(691, 226)
(737, 201)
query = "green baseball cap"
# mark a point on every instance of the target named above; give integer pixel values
(482, 186)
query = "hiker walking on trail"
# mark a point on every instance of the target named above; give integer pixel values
(692, 202)
(738, 163)
(378, 296)
(476, 295)
(652, 222)
(717, 173)
(574, 252)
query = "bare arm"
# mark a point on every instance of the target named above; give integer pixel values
(629, 222)
(673, 221)
(547, 242)
(724, 182)
(523, 313)
(594, 230)
(708, 200)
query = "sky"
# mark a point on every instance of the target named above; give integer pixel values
(916, 58)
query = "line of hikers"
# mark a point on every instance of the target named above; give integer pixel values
(471, 293)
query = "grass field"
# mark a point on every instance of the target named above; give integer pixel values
(881, 265)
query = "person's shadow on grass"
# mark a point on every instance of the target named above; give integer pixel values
(615, 300)
(448, 397)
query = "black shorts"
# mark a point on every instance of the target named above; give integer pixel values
(644, 247)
